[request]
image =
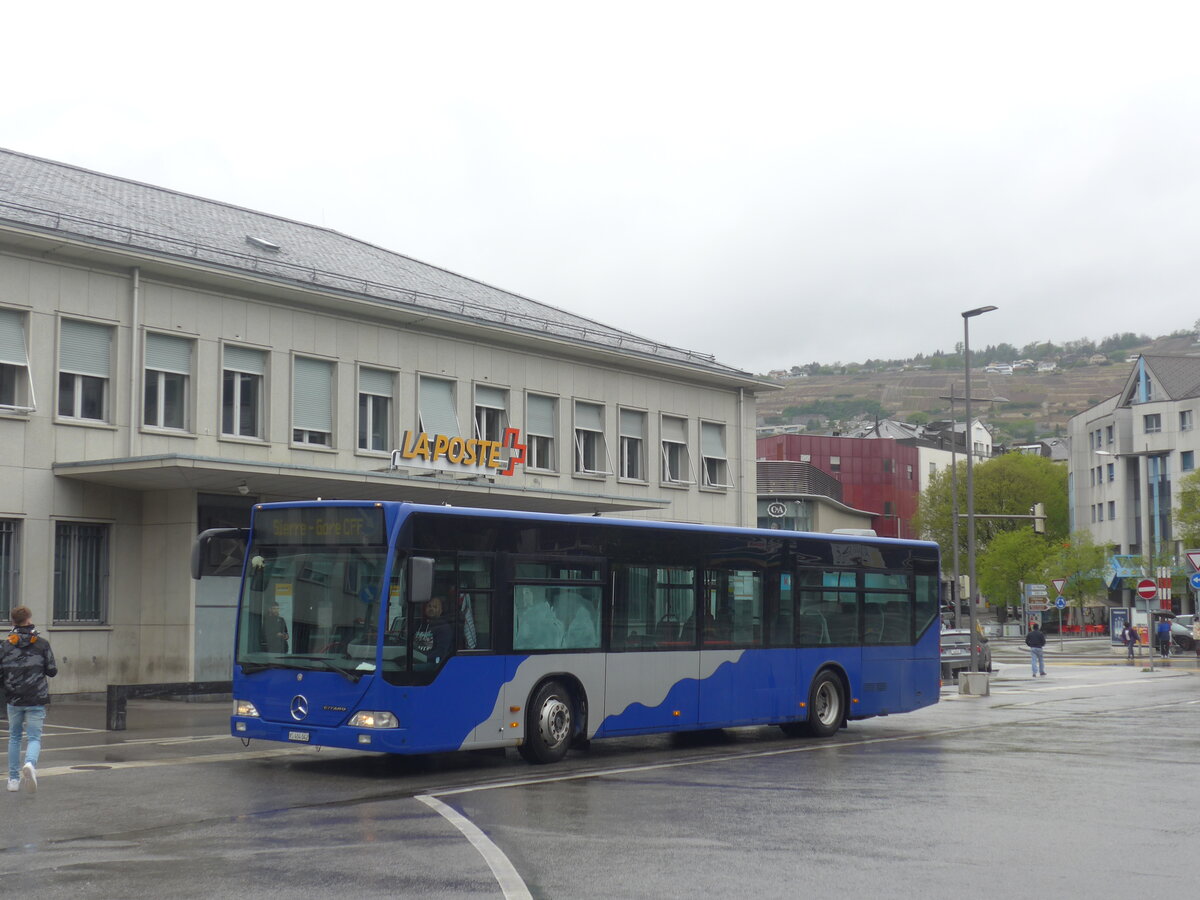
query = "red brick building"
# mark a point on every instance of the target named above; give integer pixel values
(877, 474)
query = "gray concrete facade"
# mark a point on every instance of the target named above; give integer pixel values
(136, 325)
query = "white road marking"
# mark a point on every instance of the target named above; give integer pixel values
(507, 877)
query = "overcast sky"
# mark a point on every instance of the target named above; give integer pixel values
(773, 183)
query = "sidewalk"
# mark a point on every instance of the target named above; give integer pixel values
(75, 737)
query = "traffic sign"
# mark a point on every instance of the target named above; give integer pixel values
(1147, 589)
(1194, 580)
(1060, 602)
(1193, 557)
(1059, 584)
(1038, 606)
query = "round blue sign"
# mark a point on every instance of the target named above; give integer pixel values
(1060, 602)
(1194, 580)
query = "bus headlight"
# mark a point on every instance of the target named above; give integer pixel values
(244, 708)
(373, 719)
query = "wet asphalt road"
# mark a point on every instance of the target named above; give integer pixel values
(1076, 785)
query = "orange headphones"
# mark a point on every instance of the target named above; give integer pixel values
(15, 638)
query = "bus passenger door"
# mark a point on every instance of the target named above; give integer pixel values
(651, 669)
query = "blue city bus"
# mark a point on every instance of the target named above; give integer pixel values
(405, 628)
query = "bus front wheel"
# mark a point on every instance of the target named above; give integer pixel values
(549, 726)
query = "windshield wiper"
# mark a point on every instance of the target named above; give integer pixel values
(348, 673)
(249, 668)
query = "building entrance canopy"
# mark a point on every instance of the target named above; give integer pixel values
(294, 482)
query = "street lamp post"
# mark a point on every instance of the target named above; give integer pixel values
(956, 587)
(971, 583)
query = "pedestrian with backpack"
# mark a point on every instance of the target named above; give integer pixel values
(26, 661)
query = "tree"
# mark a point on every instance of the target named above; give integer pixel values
(1081, 563)
(1011, 558)
(1187, 515)
(1004, 485)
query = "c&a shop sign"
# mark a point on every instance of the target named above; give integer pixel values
(424, 450)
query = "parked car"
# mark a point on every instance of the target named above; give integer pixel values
(1181, 632)
(956, 652)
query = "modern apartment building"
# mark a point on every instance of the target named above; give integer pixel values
(1126, 455)
(167, 360)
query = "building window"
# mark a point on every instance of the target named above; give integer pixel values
(933, 468)
(168, 372)
(1112, 509)
(10, 565)
(1093, 511)
(1187, 460)
(375, 394)
(242, 392)
(633, 444)
(312, 402)
(1185, 420)
(16, 390)
(712, 451)
(590, 453)
(83, 371)
(675, 463)
(491, 412)
(887, 507)
(835, 464)
(1099, 512)
(1112, 471)
(908, 472)
(80, 573)
(1152, 423)
(435, 406)
(1108, 435)
(541, 417)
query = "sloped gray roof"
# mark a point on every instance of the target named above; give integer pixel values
(59, 198)
(1178, 376)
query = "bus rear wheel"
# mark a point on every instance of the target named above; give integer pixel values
(549, 725)
(826, 708)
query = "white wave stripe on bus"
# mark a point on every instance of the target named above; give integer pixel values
(511, 884)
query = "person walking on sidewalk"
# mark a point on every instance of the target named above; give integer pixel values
(26, 661)
(1129, 637)
(1036, 641)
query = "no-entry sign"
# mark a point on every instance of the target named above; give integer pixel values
(1147, 589)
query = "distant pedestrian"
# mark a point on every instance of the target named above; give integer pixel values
(1164, 636)
(1129, 637)
(1036, 641)
(26, 661)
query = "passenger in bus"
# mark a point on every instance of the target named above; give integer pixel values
(434, 635)
(275, 631)
(535, 626)
(578, 620)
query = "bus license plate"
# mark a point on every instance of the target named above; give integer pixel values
(298, 736)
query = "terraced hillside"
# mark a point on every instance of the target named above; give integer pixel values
(1044, 401)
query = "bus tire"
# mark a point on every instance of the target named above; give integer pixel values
(549, 725)
(826, 705)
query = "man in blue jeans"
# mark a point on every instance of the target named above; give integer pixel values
(26, 661)
(1036, 642)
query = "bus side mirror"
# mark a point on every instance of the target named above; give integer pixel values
(203, 539)
(420, 579)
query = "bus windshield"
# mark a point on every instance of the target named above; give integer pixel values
(311, 594)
